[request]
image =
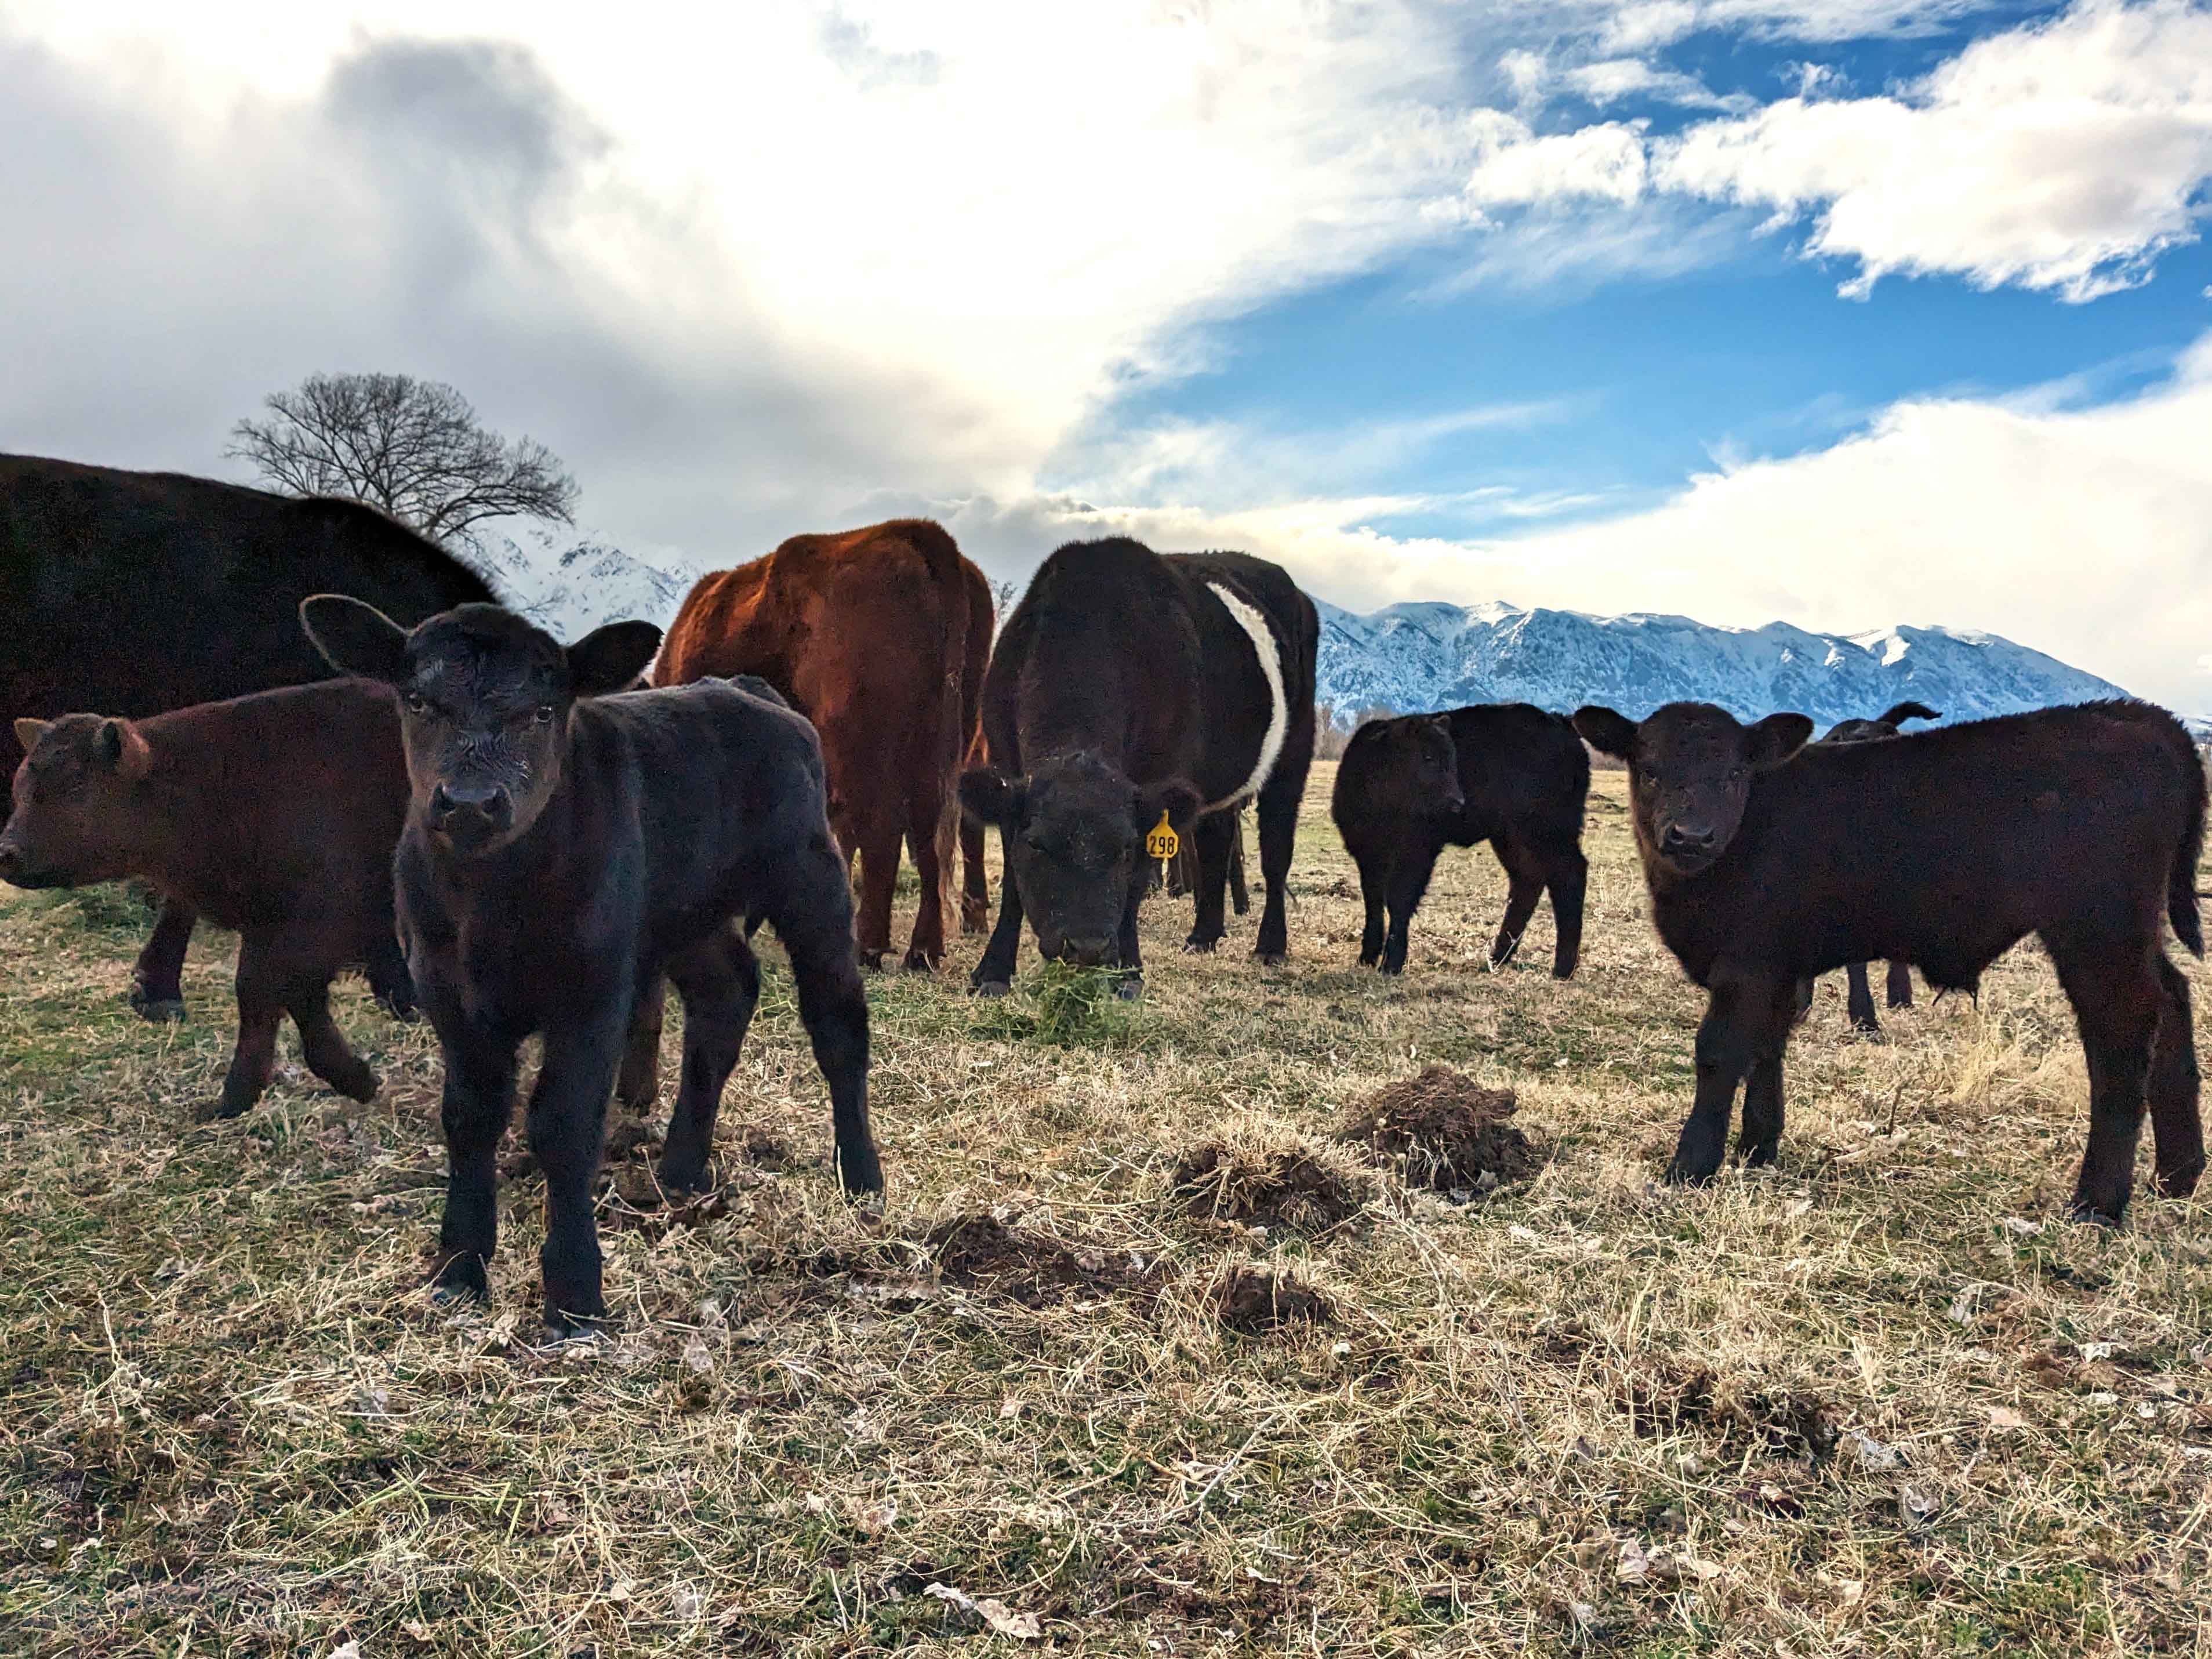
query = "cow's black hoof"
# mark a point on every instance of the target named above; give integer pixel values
(680, 1180)
(2096, 1215)
(160, 1010)
(1868, 1033)
(561, 1326)
(1679, 1174)
(1369, 958)
(1387, 966)
(460, 1278)
(1501, 954)
(1760, 1157)
(220, 1109)
(2181, 1182)
(872, 961)
(990, 988)
(920, 962)
(1131, 988)
(1195, 946)
(358, 1083)
(1271, 958)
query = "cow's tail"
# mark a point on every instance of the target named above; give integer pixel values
(1910, 711)
(2181, 879)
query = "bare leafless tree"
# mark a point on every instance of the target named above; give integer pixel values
(412, 447)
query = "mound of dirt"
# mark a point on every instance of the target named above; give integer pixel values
(1674, 1400)
(1276, 1186)
(1445, 1130)
(1257, 1300)
(981, 1253)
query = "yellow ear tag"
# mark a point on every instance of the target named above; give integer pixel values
(1161, 842)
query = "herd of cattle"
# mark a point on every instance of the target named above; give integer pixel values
(522, 838)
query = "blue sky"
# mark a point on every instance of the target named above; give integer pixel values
(1849, 312)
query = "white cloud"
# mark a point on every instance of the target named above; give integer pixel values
(2064, 156)
(915, 244)
(2086, 532)
(1643, 25)
(1609, 80)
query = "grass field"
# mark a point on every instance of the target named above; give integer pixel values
(1882, 1399)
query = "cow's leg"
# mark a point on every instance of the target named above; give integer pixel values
(389, 981)
(1901, 984)
(1762, 1089)
(720, 983)
(1128, 949)
(1729, 1039)
(567, 1122)
(1374, 891)
(638, 1080)
(2118, 999)
(2176, 1129)
(1568, 882)
(879, 863)
(1804, 1002)
(811, 914)
(260, 1011)
(994, 974)
(1240, 897)
(1210, 837)
(976, 891)
(478, 1095)
(1524, 879)
(1409, 878)
(1279, 831)
(157, 989)
(1861, 1000)
(926, 949)
(322, 1045)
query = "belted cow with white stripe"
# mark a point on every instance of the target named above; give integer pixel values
(1131, 690)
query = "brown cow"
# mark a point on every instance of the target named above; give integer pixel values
(276, 814)
(865, 633)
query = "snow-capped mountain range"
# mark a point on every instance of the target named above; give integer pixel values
(1423, 656)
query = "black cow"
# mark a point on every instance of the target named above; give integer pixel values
(1898, 984)
(1127, 686)
(1769, 862)
(563, 848)
(138, 593)
(1509, 774)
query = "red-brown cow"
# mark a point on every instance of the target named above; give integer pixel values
(276, 814)
(865, 633)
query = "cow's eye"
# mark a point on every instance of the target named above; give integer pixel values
(1737, 775)
(417, 703)
(544, 714)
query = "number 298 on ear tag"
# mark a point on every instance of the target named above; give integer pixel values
(1160, 842)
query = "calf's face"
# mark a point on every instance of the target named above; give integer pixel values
(484, 702)
(1689, 770)
(73, 801)
(1074, 831)
(1422, 765)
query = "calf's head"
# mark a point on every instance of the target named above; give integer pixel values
(485, 701)
(1074, 831)
(74, 803)
(1420, 767)
(1690, 769)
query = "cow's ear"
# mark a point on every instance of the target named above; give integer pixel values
(121, 748)
(989, 796)
(28, 732)
(1605, 731)
(355, 638)
(610, 658)
(1177, 797)
(1775, 739)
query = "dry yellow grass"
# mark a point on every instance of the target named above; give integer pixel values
(1880, 1400)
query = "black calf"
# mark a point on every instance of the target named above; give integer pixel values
(563, 848)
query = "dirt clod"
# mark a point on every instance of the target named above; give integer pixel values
(1284, 1187)
(1675, 1400)
(1257, 1300)
(1445, 1130)
(981, 1253)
